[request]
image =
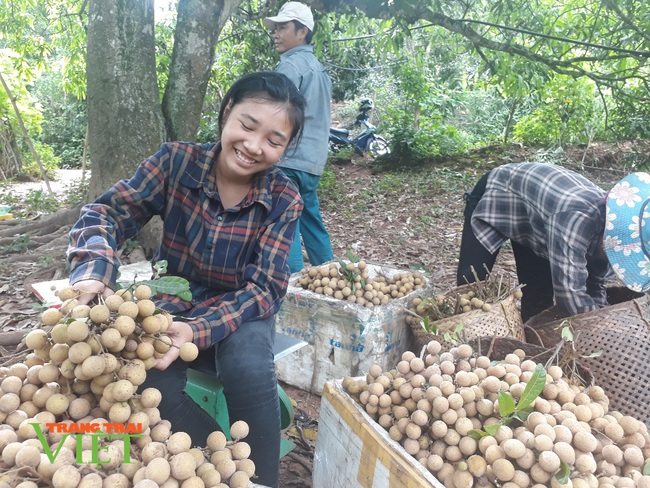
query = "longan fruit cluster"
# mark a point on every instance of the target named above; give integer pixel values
(86, 365)
(170, 458)
(435, 404)
(447, 305)
(354, 284)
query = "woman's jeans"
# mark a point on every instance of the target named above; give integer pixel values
(244, 361)
(532, 270)
(310, 226)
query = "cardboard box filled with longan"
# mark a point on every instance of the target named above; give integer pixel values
(474, 421)
(352, 281)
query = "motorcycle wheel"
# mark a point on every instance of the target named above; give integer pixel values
(378, 146)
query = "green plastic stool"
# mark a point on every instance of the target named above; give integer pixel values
(207, 391)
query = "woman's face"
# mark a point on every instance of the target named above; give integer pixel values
(254, 136)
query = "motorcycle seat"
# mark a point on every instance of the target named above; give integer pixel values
(339, 132)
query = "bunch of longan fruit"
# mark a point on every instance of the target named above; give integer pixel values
(86, 364)
(438, 405)
(447, 305)
(352, 282)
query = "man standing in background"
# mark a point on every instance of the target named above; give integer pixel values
(293, 30)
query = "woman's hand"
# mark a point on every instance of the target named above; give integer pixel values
(179, 333)
(91, 289)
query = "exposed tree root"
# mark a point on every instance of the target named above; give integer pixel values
(42, 226)
(47, 236)
(56, 271)
(13, 337)
(38, 241)
(52, 245)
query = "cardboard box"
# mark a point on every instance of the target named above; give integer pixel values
(343, 338)
(353, 451)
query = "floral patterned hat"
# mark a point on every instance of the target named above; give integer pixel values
(627, 230)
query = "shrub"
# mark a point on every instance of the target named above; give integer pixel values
(565, 113)
(64, 120)
(431, 138)
(47, 157)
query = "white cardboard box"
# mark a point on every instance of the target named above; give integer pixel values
(353, 451)
(343, 338)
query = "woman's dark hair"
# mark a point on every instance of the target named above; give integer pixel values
(269, 86)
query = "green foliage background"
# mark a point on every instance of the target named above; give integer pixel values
(436, 94)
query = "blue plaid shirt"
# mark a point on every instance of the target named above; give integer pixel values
(235, 259)
(560, 216)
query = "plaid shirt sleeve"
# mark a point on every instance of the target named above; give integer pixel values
(569, 236)
(114, 217)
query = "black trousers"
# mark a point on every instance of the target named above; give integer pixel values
(532, 270)
(244, 362)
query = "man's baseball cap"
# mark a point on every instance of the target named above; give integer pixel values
(292, 11)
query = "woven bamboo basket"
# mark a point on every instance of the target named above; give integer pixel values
(503, 320)
(497, 348)
(622, 333)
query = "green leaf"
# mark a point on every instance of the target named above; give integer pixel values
(506, 404)
(646, 469)
(160, 267)
(491, 429)
(522, 415)
(562, 475)
(353, 257)
(566, 323)
(533, 388)
(593, 355)
(170, 285)
(425, 323)
(476, 434)
(507, 420)
(567, 335)
(186, 295)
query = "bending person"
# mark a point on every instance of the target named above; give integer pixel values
(556, 221)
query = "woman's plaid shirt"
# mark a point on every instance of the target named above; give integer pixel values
(235, 259)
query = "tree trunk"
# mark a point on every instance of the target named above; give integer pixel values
(198, 25)
(10, 160)
(125, 122)
(125, 117)
(511, 117)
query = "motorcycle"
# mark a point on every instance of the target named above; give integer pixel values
(367, 142)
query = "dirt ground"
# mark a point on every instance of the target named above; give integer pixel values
(391, 219)
(409, 228)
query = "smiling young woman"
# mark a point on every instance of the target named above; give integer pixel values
(254, 137)
(229, 220)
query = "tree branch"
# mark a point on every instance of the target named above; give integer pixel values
(631, 52)
(26, 137)
(626, 20)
